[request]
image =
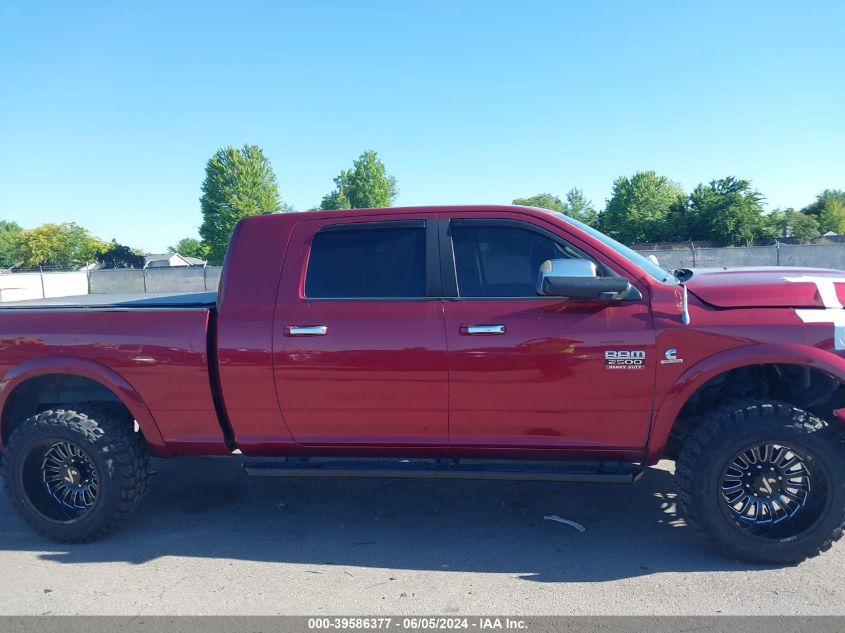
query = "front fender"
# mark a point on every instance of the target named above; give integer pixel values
(710, 367)
(100, 374)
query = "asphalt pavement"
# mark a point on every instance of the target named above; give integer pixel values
(210, 540)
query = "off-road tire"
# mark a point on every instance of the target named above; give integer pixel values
(106, 433)
(719, 436)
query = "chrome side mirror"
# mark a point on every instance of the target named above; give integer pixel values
(578, 279)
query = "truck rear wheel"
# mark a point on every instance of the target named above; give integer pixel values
(73, 474)
(764, 481)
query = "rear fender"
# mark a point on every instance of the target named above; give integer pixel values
(96, 372)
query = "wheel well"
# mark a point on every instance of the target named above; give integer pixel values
(801, 386)
(43, 392)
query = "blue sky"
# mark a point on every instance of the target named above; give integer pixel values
(109, 110)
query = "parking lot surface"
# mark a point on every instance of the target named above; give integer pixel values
(210, 540)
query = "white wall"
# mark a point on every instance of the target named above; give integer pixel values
(21, 286)
(155, 279)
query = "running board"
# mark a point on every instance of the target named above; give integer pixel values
(585, 472)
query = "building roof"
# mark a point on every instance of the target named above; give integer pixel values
(182, 260)
(162, 257)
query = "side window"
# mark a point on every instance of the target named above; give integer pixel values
(382, 260)
(503, 261)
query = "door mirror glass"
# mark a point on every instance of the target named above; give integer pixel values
(578, 279)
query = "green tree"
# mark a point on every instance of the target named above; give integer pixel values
(832, 218)
(676, 224)
(726, 211)
(828, 195)
(119, 256)
(9, 239)
(639, 207)
(576, 206)
(337, 199)
(189, 247)
(365, 186)
(580, 208)
(829, 208)
(59, 245)
(543, 201)
(238, 183)
(800, 225)
(790, 223)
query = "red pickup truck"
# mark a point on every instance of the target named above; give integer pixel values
(488, 342)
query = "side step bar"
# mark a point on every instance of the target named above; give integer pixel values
(587, 472)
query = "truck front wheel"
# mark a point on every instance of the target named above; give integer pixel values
(73, 474)
(764, 481)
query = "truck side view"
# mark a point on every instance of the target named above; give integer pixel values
(486, 342)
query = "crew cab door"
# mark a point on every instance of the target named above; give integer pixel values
(359, 345)
(534, 371)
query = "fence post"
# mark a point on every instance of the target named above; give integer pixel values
(41, 275)
(692, 248)
(777, 253)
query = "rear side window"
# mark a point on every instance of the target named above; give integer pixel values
(384, 260)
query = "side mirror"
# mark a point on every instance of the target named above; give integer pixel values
(578, 279)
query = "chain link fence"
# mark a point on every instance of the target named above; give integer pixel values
(805, 255)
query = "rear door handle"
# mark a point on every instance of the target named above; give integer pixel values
(474, 330)
(306, 330)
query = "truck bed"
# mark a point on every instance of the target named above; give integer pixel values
(119, 301)
(156, 346)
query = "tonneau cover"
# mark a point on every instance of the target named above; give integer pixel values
(118, 301)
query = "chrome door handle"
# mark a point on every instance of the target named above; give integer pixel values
(482, 329)
(306, 330)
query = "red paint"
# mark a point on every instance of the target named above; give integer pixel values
(762, 287)
(153, 360)
(403, 377)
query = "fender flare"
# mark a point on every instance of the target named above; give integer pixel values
(102, 375)
(712, 366)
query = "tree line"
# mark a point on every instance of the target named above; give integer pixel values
(643, 208)
(49, 245)
(647, 208)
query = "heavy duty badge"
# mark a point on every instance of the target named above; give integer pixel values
(624, 359)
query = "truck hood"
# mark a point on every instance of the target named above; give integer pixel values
(766, 287)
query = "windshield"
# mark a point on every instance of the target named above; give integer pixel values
(643, 262)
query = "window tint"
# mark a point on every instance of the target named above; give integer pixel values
(493, 261)
(367, 262)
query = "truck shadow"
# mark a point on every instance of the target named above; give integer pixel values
(209, 508)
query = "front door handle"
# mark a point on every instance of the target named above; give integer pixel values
(306, 330)
(482, 329)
